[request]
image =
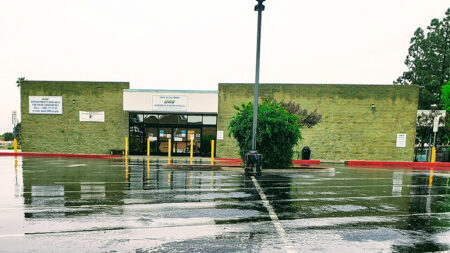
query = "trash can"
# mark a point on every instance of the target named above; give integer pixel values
(306, 153)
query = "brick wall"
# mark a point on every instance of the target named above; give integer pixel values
(64, 133)
(350, 128)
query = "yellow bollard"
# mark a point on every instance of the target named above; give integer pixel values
(148, 169)
(148, 146)
(126, 146)
(192, 151)
(189, 182)
(212, 152)
(15, 166)
(212, 180)
(433, 154)
(169, 151)
(15, 145)
(126, 170)
(169, 178)
(430, 178)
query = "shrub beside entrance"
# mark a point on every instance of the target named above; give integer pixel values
(278, 132)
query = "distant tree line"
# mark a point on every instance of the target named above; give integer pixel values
(428, 61)
(428, 65)
(9, 136)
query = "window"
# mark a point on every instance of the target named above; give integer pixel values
(168, 119)
(136, 118)
(194, 119)
(209, 120)
(151, 118)
(172, 119)
(182, 119)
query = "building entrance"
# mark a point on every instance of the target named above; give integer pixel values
(179, 129)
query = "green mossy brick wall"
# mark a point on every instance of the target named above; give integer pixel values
(64, 133)
(350, 128)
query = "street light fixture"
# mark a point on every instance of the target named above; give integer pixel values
(253, 159)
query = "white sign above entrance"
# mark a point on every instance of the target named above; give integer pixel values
(45, 105)
(92, 116)
(169, 103)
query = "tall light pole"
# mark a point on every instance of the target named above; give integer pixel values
(253, 159)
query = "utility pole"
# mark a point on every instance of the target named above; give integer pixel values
(253, 159)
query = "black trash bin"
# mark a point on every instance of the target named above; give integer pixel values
(306, 153)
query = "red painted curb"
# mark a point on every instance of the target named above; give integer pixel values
(382, 163)
(58, 155)
(294, 161)
(228, 160)
(400, 165)
(317, 162)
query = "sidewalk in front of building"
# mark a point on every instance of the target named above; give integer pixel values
(238, 163)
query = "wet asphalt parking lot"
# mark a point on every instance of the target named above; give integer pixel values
(97, 205)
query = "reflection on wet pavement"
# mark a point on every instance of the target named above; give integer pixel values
(109, 205)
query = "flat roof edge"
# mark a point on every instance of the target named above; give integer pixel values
(56, 81)
(337, 84)
(180, 91)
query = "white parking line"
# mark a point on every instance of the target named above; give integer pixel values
(12, 235)
(276, 222)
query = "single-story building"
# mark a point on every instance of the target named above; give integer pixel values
(359, 122)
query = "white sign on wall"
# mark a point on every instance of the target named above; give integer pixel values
(92, 116)
(169, 103)
(401, 140)
(45, 105)
(220, 135)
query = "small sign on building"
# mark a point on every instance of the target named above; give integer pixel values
(169, 103)
(220, 135)
(401, 141)
(92, 116)
(45, 105)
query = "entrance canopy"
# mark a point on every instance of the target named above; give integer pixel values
(186, 119)
(170, 101)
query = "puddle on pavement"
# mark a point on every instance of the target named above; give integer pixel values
(108, 205)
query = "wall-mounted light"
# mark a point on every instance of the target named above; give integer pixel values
(433, 107)
(373, 106)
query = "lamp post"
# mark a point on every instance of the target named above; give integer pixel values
(253, 159)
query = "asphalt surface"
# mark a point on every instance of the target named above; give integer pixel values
(96, 205)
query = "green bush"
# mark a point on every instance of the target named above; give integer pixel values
(8, 136)
(278, 132)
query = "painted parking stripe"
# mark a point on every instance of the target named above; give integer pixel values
(274, 218)
(12, 235)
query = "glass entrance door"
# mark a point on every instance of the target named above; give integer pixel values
(152, 133)
(160, 128)
(165, 133)
(180, 141)
(195, 134)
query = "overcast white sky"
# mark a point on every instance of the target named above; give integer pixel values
(195, 44)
